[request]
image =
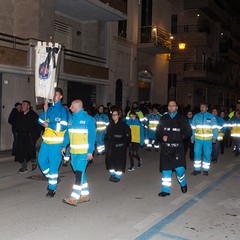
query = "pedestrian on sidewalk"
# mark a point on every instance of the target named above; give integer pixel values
(172, 130)
(54, 118)
(28, 131)
(137, 139)
(117, 139)
(12, 120)
(81, 134)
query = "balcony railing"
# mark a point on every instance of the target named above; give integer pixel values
(156, 35)
(27, 44)
(198, 67)
(191, 28)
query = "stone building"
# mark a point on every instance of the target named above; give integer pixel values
(208, 69)
(113, 51)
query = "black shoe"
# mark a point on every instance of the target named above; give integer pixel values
(156, 149)
(163, 194)
(116, 179)
(22, 170)
(34, 166)
(149, 149)
(184, 189)
(194, 173)
(51, 193)
(205, 173)
(111, 178)
(214, 161)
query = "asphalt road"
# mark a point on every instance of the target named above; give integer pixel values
(130, 209)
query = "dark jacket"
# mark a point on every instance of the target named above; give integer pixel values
(172, 152)
(117, 139)
(28, 131)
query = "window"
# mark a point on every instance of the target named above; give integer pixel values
(63, 34)
(122, 28)
(174, 29)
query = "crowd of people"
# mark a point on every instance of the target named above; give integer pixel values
(78, 134)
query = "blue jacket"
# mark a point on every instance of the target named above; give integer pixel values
(57, 118)
(204, 126)
(102, 121)
(81, 131)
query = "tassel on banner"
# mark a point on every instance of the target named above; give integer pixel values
(46, 69)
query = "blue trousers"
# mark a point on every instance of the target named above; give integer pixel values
(80, 186)
(167, 178)
(100, 142)
(49, 160)
(202, 147)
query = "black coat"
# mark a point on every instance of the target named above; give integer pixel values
(117, 139)
(172, 152)
(28, 131)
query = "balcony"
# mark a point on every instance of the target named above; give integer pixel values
(194, 34)
(17, 56)
(86, 10)
(154, 40)
(202, 73)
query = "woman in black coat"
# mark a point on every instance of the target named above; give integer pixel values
(118, 137)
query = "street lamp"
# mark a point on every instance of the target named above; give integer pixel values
(181, 45)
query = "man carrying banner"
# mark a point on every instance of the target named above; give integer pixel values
(54, 119)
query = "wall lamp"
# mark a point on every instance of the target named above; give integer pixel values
(181, 45)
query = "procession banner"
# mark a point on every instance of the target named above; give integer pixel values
(47, 57)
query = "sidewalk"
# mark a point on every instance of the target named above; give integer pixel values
(6, 156)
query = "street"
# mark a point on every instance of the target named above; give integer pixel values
(127, 210)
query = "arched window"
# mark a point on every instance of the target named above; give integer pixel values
(118, 93)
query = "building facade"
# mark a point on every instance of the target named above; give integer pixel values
(208, 69)
(113, 51)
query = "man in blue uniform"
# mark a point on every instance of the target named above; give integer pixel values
(204, 134)
(102, 121)
(54, 119)
(81, 134)
(152, 120)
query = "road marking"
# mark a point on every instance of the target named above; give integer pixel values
(156, 229)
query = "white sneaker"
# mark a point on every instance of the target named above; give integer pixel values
(131, 169)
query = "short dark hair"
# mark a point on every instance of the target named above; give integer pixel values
(59, 90)
(28, 102)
